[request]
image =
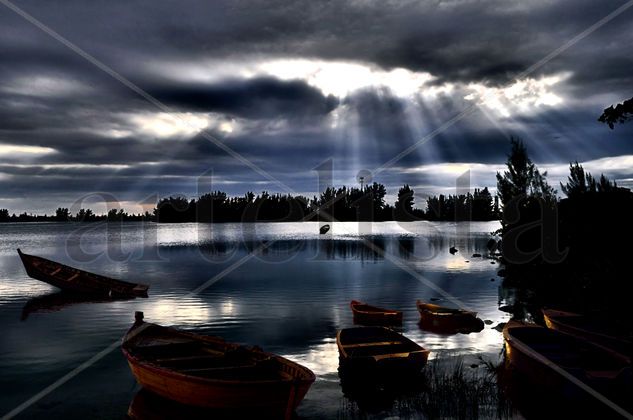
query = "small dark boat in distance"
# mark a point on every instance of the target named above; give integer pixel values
(372, 315)
(79, 281)
(324, 229)
(551, 359)
(586, 328)
(379, 350)
(209, 372)
(441, 319)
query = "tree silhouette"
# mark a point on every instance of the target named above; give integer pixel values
(522, 179)
(620, 113)
(62, 214)
(404, 203)
(580, 182)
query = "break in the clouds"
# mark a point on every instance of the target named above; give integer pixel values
(288, 85)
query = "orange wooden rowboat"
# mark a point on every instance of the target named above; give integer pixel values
(550, 358)
(442, 319)
(208, 372)
(586, 328)
(78, 281)
(372, 315)
(379, 349)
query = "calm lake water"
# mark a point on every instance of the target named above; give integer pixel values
(289, 299)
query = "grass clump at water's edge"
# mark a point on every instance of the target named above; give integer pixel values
(446, 388)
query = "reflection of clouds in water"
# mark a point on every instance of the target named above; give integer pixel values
(320, 358)
(292, 308)
(188, 311)
(11, 290)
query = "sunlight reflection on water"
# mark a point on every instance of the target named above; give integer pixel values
(290, 300)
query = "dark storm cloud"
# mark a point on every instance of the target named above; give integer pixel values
(253, 98)
(287, 126)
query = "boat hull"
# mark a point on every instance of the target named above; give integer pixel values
(555, 360)
(438, 319)
(277, 387)
(201, 393)
(364, 314)
(382, 352)
(567, 322)
(78, 281)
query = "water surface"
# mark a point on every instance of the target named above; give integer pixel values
(289, 297)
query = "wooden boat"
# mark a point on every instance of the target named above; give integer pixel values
(589, 329)
(324, 229)
(379, 349)
(448, 320)
(78, 281)
(372, 315)
(208, 372)
(552, 359)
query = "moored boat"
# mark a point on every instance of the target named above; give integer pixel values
(556, 360)
(379, 350)
(438, 318)
(78, 281)
(372, 315)
(588, 328)
(209, 372)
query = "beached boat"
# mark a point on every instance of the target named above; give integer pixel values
(373, 349)
(78, 281)
(372, 315)
(556, 360)
(589, 329)
(209, 372)
(324, 229)
(442, 319)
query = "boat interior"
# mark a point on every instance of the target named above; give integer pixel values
(207, 359)
(365, 342)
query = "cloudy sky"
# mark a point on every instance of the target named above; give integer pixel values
(287, 85)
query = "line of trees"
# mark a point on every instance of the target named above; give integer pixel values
(343, 204)
(478, 206)
(83, 215)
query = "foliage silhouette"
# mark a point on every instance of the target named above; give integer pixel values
(619, 114)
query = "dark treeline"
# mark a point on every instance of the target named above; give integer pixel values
(565, 252)
(478, 206)
(343, 204)
(83, 215)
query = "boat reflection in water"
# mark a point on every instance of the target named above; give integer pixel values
(57, 301)
(146, 405)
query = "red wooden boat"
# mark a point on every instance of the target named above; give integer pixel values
(372, 315)
(208, 372)
(78, 281)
